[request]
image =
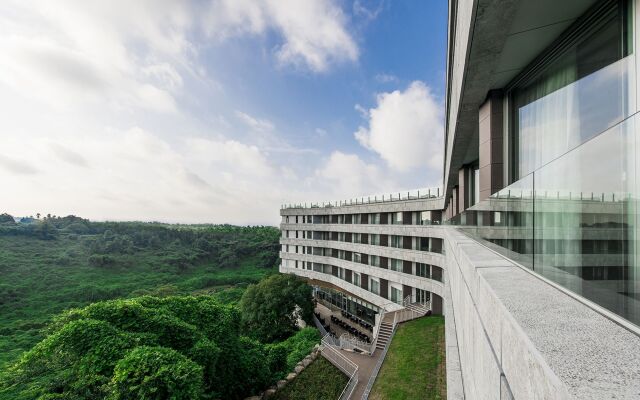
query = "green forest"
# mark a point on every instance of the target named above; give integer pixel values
(101, 309)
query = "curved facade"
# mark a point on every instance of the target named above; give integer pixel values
(384, 254)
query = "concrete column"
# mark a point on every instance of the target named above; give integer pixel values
(436, 304)
(490, 133)
(463, 189)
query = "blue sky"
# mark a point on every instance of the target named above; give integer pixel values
(217, 111)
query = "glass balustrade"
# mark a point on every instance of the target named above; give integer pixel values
(574, 220)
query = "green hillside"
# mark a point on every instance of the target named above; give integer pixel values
(55, 264)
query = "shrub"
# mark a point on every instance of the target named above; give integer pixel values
(156, 373)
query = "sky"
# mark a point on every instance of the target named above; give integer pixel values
(216, 111)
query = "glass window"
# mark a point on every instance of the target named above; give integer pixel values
(395, 264)
(357, 257)
(395, 241)
(423, 270)
(374, 218)
(583, 92)
(396, 295)
(374, 261)
(422, 296)
(356, 279)
(423, 244)
(374, 286)
(425, 218)
(396, 218)
(374, 239)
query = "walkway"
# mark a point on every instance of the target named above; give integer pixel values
(365, 364)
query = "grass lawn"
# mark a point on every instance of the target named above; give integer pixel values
(319, 381)
(415, 364)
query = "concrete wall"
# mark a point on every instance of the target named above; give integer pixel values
(518, 336)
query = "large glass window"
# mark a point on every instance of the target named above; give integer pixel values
(395, 264)
(396, 295)
(357, 238)
(374, 286)
(396, 218)
(423, 270)
(374, 261)
(395, 241)
(581, 93)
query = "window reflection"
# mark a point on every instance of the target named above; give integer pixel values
(575, 220)
(582, 93)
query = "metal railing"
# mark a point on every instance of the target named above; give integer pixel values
(347, 342)
(381, 315)
(316, 321)
(409, 313)
(416, 194)
(331, 353)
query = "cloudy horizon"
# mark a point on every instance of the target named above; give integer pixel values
(219, 111)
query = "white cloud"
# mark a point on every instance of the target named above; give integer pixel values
(96, 119)
(367, 13)
(361, 110)
(69, 54)
(320, 132)
(256, 124)
(348, 175)
(405, 128)
(314, 31)
(386, 78)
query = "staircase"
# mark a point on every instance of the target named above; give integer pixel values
(386, 328)
(418, 308)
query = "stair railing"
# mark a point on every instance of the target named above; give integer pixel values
(350, 343)
(376, 368)
(331, 353)
(376, 332)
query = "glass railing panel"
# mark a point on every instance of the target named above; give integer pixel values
(504, 221)
(574, 220)
(586, 220)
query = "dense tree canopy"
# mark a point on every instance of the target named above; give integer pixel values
(271, 308)
(182, 347)
(6, 219)
(57, 263)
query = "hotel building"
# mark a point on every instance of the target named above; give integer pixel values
(530, 249)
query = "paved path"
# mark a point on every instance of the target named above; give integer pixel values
(365, 364)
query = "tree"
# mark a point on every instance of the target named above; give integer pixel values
(179, 347)
(6, 219)
(271, 309)
(156, 373)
